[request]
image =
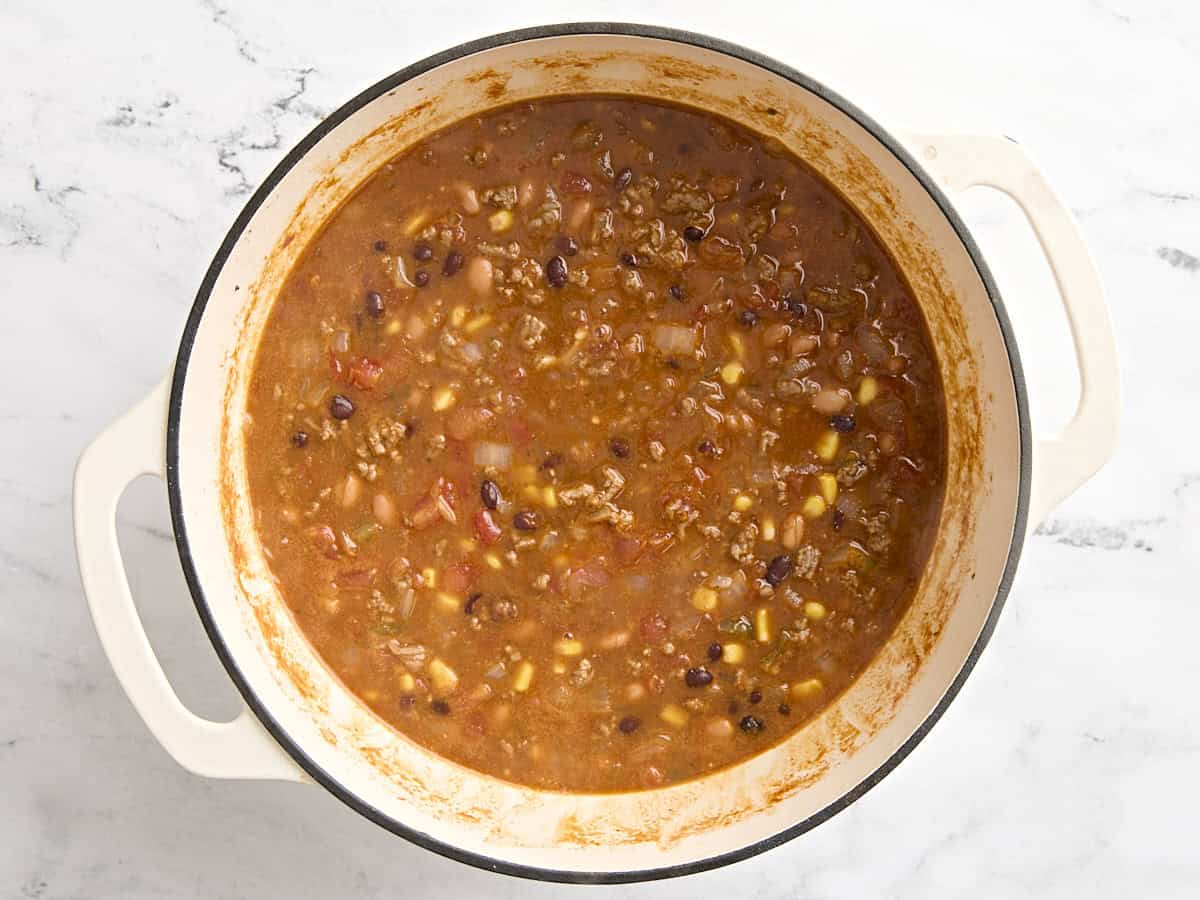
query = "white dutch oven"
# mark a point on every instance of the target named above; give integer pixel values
(301, 724)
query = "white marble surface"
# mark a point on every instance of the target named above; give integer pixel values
(130, 134)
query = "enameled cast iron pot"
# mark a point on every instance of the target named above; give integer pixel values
(301, 724)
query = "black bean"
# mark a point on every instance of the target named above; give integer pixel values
(380, 246)
(837, 518)
(619, 447)
(755, 696)
(374, 304)
(567, 245)
(441, 707)
(675, 291)
(844, 424)
(778, 569)
(556, 271)
(707, 447)
(525, 520)
(628, 259)
(751, 725)
(797, 308)
(489, 493)
(421, 277)
(422, 253)
(407, 700)
(693, 234)
(784, 709)
(623, 178)
(748, 318)
(714, 651)
(469, 607)
(697, 676)
(454, 262)
(340, 407)
(552, 461)
(629, 724)
(300, 439)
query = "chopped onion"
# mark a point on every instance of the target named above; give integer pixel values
(675, 338)
(341, 342)
(470, 353)
(489, 454)
(401, 277)
(637, 584)
(496, 671)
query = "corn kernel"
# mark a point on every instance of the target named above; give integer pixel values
(731, 373)
(500, 221)
(467, 544)
(704, 599)
(733, 653)
(443, 399)
(458, 315)
(447, 602)
(444, 678)
(743, 502)
(868, 390)
(524, 677)
(531, 492)
(568, 647)
(827, 445)
(739, 346)
(429, 576)
(413, 225)
(476, 323)
(808, 688)
(525, 474)
(674, 714)
(407, 683)
(558, 667)
(814, 507)
(815, 610)
(392, 328)
(493, 561)
(829, 487)
(550, 498)
(762, 625)
(768, 529)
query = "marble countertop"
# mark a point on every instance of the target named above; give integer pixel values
(131, 134)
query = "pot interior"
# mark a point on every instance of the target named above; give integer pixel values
(406, 787)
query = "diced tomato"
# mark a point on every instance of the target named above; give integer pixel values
(627, 549)
(357, 578)
(653, 628)
(465, 422)
(324, 539)
(519, 431)
(458, 577)
(583, 578)
(365, 373)
(486, 528)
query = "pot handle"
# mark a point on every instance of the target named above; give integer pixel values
(1062, 463)
(136, 445)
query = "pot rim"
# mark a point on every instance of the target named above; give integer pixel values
(192, 575)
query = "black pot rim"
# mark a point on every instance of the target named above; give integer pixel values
(180, 526)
